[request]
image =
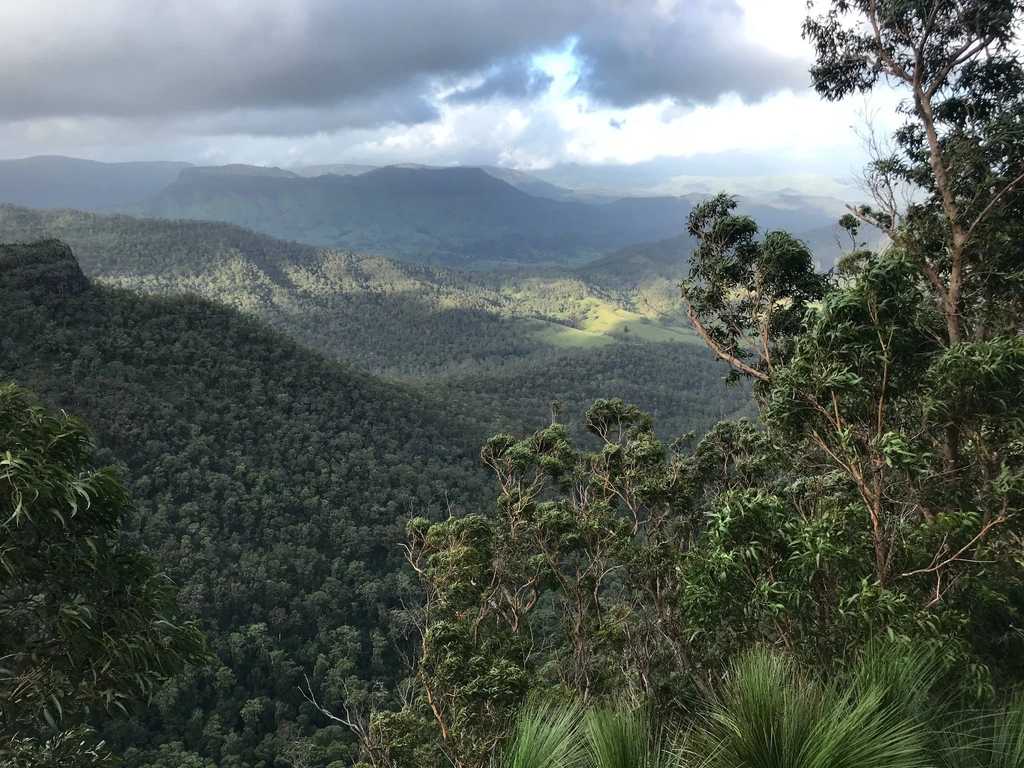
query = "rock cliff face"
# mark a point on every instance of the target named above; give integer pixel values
(40, 269)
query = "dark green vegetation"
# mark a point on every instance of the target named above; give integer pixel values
(840, 583)
(419, 319)
(520, 339)
(67, 182)
(87, 625)
(891, 710)
(270, 482)
(273, 484)
(880, 496)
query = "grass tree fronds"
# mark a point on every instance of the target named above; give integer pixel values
(772, 715)
(993, 739)
(546, 735)
(626, 738)
(908, 676)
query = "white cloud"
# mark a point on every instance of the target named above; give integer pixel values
(554, 126)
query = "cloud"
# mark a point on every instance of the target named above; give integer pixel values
(517, 80)
(692, 52)
(131, 59)
(124, 58)
(527, 83)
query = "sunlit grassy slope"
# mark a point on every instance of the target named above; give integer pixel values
(604, 323)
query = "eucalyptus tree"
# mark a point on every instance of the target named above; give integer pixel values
(896, 387)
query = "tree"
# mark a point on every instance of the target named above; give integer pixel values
(881, 492)
(745, 297)
(960, 147)
(87, 626)
(900, 386)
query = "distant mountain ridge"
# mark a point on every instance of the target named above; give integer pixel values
(338, 169)
(460, 216)
(456, 216)
(55, 181)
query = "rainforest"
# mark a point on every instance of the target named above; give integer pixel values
(347, 466)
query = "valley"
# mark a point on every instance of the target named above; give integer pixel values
(512, 384)
(262, 392)
(430, 325)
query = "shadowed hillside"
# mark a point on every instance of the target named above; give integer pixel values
(272, 482)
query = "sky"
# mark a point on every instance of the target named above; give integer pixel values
(714, 87)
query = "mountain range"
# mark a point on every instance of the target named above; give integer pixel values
(458, 216)
(53, 181)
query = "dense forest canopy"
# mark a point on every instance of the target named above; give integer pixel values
(836, 580)
(269, 481)
(421, 318)
(273, 483)
(519, 339)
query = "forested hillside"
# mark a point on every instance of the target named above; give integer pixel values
(273, 482)
(462, 332)
(336, 300)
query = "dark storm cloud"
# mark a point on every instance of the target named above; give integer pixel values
(403, 106)
(134, 58)
(367, 62)
(689, 52)
(515, 80)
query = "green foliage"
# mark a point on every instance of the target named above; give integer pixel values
(957, 65)
(746, 296)
(891, 708)
(881, 496)
(568, 587)
(87, 625)
(423, 319)
(546, 735)
(624, 738)
(272, 483)
(991, 739)
(771, 713)
(553, 734)
(478, 337)
(896, 396)
(73, 748)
